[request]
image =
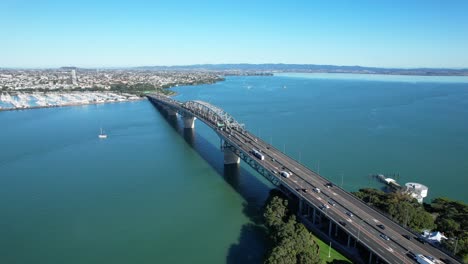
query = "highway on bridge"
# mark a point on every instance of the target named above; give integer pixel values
(363, 220)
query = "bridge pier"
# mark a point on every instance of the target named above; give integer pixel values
(189, 121)
(169, 111)
(300, 206)
(370, 257)
(230, 157)
(330, 226)
(313, 217)
(336, 229)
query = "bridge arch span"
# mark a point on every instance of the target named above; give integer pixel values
(213, 114)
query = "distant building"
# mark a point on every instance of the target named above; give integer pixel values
(73, 77)
(417, 190)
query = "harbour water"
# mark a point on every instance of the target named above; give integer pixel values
(153, 192)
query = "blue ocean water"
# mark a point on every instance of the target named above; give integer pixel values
(350, 126)
(153, 191)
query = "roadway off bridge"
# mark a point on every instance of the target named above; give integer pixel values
(331, 212)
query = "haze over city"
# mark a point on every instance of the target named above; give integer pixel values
(143, 33)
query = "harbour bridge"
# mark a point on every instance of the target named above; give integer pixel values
(331, 212)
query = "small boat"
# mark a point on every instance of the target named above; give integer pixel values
(102, 135)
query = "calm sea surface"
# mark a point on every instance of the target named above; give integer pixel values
(154, 193)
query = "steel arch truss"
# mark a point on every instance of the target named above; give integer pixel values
(214, 114)
(253, 163)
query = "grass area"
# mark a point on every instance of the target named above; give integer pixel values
(334, 255)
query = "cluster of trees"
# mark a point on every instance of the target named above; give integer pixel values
(452, 220)
(447, 216)
(291, 241)
(401, 208)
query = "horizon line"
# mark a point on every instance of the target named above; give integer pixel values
(219, 64)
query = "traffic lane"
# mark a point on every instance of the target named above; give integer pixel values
(285, 162)
(306, 185)
(254, 157)
(391, 246)
(319, 177)
(398, 232)
(371, 222)
(359, 231)
(371, 219)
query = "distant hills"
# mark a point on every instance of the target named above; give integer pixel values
(308, 68)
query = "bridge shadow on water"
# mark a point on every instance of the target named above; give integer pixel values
(252, 243)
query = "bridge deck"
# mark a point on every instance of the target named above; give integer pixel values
(362, 225)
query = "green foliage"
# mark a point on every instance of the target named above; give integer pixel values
(292, 242)
(402, 208)
(448, 216)
(452, 220)
(452, 216)
(275, 213)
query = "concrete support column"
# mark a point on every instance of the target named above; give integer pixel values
(313, 217)
(330, 225)
(189, 121)
(336, 230)
(171, 112)
(230, 157)
(300, 206)
(349, 240)
(370, 257)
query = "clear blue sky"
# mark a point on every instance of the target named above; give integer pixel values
(105, 33)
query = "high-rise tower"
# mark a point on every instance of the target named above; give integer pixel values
(73, 77)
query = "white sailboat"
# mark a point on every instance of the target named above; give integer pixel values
(102, 135)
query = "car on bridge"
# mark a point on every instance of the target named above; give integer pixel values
(407, 237)
(332, 202)
(381, 226)
(348, 213)
(324, 206)
(411, 255)
(384, 237)
(285, 174)
(329, 185)
(317, 190)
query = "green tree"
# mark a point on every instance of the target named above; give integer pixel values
(275, 212)
(292, 242)
(308, 249)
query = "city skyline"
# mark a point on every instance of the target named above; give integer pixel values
(52, 34)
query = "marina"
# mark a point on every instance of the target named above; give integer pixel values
(20, 100)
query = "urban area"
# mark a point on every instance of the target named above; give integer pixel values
(21, 89)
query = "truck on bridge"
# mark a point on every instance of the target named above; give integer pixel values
(425, 259)
(257, 154)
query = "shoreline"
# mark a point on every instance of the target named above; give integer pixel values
(69, 104)
(27, 101)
